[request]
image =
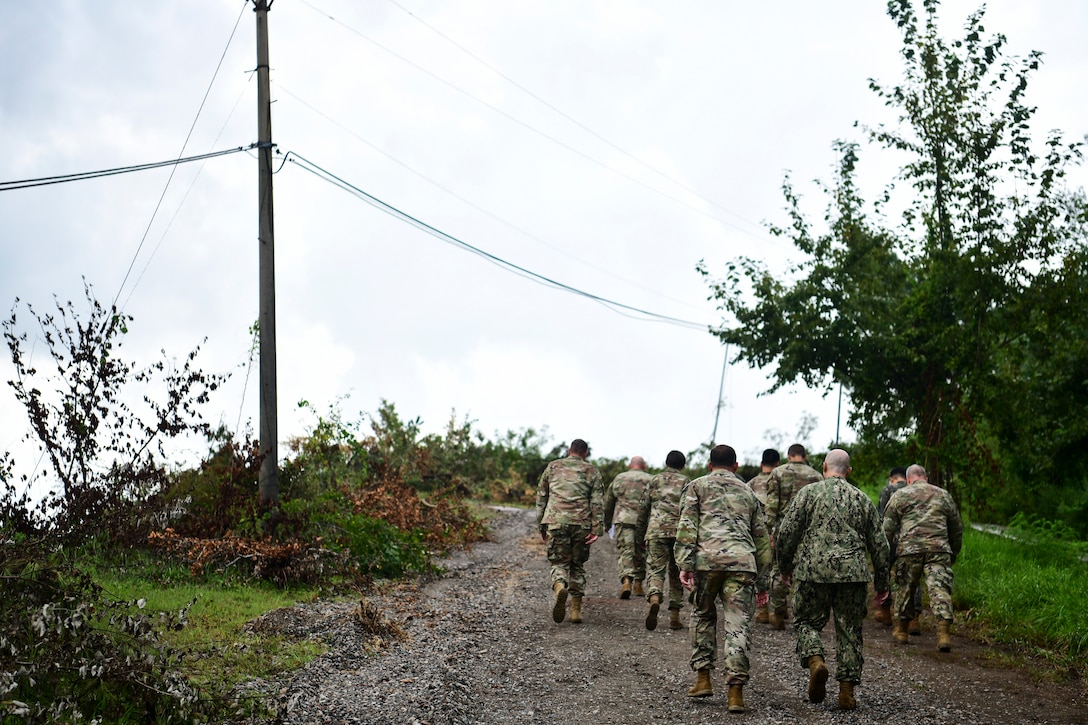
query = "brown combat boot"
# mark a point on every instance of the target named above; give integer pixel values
(762, 616)
(817, 679)
(702, 686)
(914, 627)
(575, 610)
(625, 590)
(674, 619)
(846, 696)
(736, 698)
(900, 631)
(884, 614)
(651, 616)
(777, 618)
(944, 635)
(638, 591)
(559, 606)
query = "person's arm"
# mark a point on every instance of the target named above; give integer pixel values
(790, 529)
(542, 491)
(879, 552)
(955, 529)
(596, 507)
(609, 504)
(687, 532)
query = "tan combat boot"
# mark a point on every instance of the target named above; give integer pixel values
(817, 679)
(559, 606)
(674, 619)
(638, 591)
(575, 610)
(736, 698)
(846, 696)
(900, 631)
(702, 686)
(914, 627)
(762, 616)
(884, 614)
(944, 635)
(777, 619)
(651, 616)
(625, 591)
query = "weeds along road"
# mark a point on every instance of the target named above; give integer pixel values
(480, 647)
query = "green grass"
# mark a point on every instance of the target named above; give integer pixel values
(222, 654)
(1027, 594)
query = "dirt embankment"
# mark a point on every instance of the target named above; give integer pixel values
(479, 646)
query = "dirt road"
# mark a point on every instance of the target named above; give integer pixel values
(480, 647)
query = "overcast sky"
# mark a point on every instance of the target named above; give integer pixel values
(607, 145)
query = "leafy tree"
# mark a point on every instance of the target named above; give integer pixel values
(919, 318)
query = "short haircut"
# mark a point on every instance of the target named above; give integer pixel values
(796, 450)
(916, 471)
(675, 459)
(722, 456)
(770, 457)
(579, 447)
(898, 472)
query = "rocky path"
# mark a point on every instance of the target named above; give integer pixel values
(480, 647)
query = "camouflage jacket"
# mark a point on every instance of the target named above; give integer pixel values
(826, 532)
(886, 495)
(721, 526)
(663, 511)
(758, 484)
(923, 519)
(627, 498)
(570, 492)
(785, 481)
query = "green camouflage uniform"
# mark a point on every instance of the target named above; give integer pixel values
(881, 504)
(722, 538)
(782, 485)
(663, 513)
(758, 484)
(569, 507)
(823, 540)
(924, 522)
(624, 503)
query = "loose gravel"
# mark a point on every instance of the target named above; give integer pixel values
(478, 645)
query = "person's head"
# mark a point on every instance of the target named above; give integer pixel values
(897, 474)
(638, 463)
(579, 447)
(796, 452)
(675, 459)
(770, 459)
(916, 473)
(837, 463)
(723, 456)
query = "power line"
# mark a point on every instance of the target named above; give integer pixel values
(763, 238)
(617, 307)
(184, 145)
(567, 116)
(85, 175)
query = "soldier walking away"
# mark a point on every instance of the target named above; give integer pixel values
(782, 485)
(624, 504)
(925, 524)
(722, 547)
(663, 514)
(570, 514)
(897, 479)
(758, 484)
(823, 539)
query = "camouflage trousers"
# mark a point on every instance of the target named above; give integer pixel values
(632, 552)
(737, 591)
(779, 591)
(567, 553)
(659, 561)
(937, 570)
(813, 604)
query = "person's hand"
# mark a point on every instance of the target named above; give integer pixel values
(544, 533)
(787, 579)
(881, 598)
(762, 599)
(687, 579)
(590, 538)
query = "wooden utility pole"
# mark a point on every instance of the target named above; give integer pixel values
(269, 485)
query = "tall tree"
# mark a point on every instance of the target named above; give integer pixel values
(917, 317)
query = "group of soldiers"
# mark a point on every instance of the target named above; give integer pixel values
(747, 544)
